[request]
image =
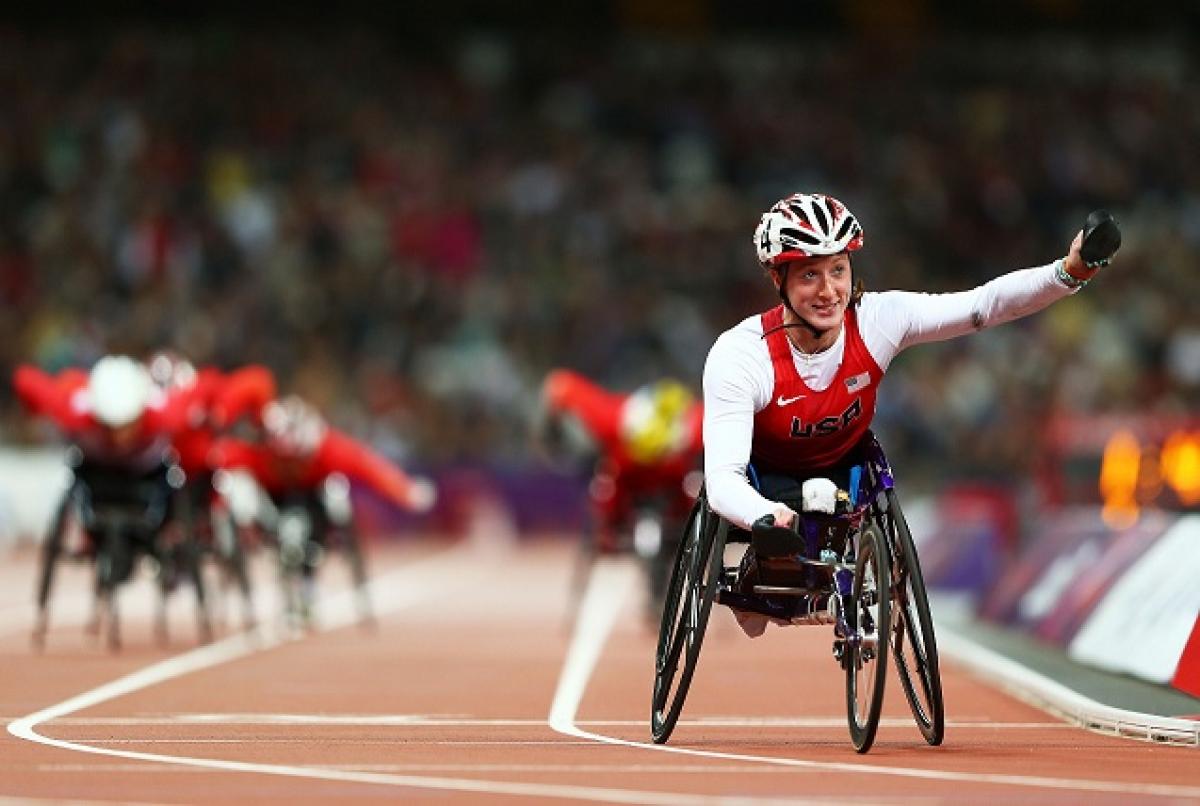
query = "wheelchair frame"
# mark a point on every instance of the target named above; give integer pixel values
(303, 532)
(858, 571)
(124, 513)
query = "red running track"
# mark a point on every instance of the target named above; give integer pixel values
(474, 688)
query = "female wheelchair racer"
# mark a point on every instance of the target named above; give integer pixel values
(791, 392)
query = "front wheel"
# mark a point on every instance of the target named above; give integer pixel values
(868, 620)
(699, 563)
(914, 645)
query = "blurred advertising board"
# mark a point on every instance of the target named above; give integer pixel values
(1126, 464)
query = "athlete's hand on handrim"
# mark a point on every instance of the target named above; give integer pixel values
(784, 516)
(1093, 248)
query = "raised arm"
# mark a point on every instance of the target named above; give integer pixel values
(896, 320)
(49, 396)
(597, 409)
(343, 454)
(243, 393)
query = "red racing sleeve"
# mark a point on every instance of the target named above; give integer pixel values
(343, 454)
(48, 396)
(243, 393)
(597, 409)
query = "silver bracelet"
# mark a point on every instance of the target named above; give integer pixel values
(1065, 277)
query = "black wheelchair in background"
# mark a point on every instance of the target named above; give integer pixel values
(650, 534)
(206, 514)
(856, 569)
(305, 526)
(122, 514)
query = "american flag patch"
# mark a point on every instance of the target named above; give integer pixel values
(860, 381)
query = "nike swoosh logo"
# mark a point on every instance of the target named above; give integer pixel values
(787, 401)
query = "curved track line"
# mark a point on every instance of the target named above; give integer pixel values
(405, 587)
(598, 613)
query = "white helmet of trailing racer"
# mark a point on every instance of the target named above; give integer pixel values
(119, 389)
(293, 427)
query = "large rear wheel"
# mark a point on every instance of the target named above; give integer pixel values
(699, 563)
(914, 645)
(866, 645)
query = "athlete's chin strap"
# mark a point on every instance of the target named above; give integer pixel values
(804, 323)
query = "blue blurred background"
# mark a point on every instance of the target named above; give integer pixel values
(412, 214)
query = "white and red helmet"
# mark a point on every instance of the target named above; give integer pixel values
(805, 225)
(119, 390)
(170, 370)
(293, 427)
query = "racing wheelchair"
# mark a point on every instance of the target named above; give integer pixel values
(122, 513)
(205, 514)
(305, 525)
(650, 534)
(855, 568)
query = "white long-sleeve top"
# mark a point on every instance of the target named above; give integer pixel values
(739, 379)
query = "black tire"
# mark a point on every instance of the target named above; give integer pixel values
(699, 563)
(866, 647)
(52, 547)
(232, 559)
(914, 644)
(192, 557)
(352, 544)
(114, 566)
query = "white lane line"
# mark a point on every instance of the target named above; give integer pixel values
(27, 801)
(403, 588)
(330, 741)
(432, 721)
(697, 769)
(602, 604)
(598, 612)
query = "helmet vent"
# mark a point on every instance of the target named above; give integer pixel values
(799, 235)
(822, 219)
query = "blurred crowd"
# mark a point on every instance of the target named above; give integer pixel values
(411, 235)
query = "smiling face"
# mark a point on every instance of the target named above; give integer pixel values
(819, 289)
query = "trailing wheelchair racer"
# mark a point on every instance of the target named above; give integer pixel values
(639, 452)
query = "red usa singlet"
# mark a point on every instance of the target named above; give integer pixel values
(800, 429)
